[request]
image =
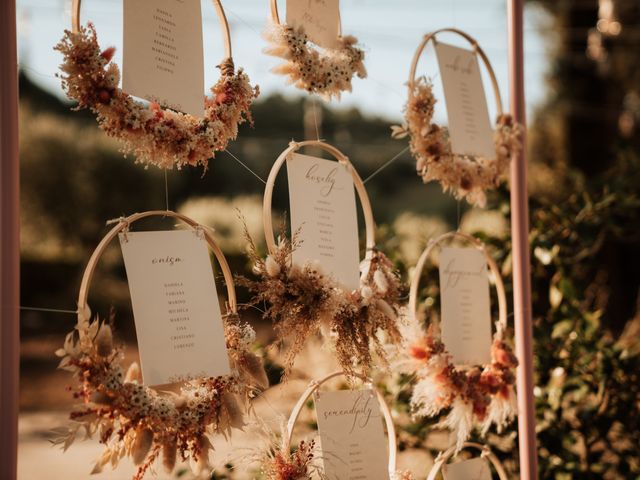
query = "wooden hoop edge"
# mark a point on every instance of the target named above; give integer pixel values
(122, 225)
(388, 419)
(484, 449)
(226, 33)
(499, 284)
(267, 221)
(476, 47)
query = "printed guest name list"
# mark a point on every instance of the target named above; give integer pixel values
(323, 210)
(175, 306)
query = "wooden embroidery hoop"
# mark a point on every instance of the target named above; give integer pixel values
(369, 221)
(226, 34)
(431, 37)
(314, 386)
(486, 452)
(123, 225)
(501, 324)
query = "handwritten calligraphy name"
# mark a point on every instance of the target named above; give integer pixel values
(457, 66)
(455, 276)
(361, 412)
(168, 260)
(327, 181)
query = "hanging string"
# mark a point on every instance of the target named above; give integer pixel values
(315, 118)
(385, 164)
(51, 310)
(458, 227)
(246, 167)
(166, 190)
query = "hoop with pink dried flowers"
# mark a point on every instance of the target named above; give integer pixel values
(475, 395)
(466, 176)
(327, 73)
(134, 420)
(301, 301)
(156, 136)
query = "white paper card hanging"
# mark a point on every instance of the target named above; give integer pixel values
(318, 18)
(323, 209)
(465, 305)
(163, 59)
(175, 306)
(469, 124)
(351, 435)
(473, 469)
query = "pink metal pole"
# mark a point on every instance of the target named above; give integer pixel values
(9, 243)
(521, 259)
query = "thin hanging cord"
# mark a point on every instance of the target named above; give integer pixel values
(166, 190)
(245, 166)
(315, 118)
(458, 229)
(52, 310)
(385, 165)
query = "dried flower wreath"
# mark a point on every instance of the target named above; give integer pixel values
(301, 300)
(466, 176)
(328, 73)
(134, 420)
(155, 135)
(475, 395)
(142, 423)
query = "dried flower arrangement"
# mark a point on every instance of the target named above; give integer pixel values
(466, 176)
(279, 462)
(477, 396)
(155, 135)
(328, 73)
(301, 301)
(142, 423)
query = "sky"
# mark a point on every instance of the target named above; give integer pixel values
(388, 31)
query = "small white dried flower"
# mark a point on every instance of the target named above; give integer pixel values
(272, 267)
(367, 292)
(380, 279)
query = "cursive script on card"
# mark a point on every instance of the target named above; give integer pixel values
(327, 181)
(454, 274)
(319, 18)
(166, 260)
(359, 414)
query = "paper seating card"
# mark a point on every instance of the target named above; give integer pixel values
(319, 18)
(474, 469)
(465, 305)
(163, 58)
(352, 439)
(469, 125)
(323, 206)
(175, 306)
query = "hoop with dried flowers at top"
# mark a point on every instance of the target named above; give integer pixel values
(480, 395)
(327, 73)
(301, 301)
(133, 420)
(155, 135)
(466, 176)
(485, 452)
(285, 465)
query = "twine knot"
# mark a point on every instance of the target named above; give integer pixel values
(227, 67)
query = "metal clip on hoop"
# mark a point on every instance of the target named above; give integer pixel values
(123, 225)
(386, 413)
